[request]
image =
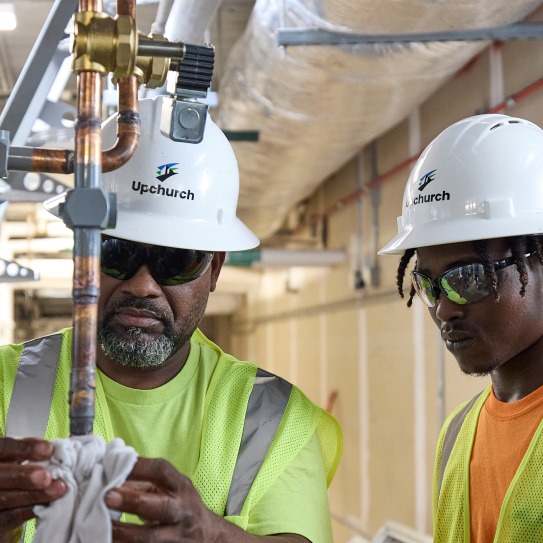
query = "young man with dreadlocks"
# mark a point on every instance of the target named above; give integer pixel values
(472, 222)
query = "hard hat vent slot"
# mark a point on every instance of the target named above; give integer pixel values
(496, 126)
(515, 122)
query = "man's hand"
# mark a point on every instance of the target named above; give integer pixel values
(23, 486)
(173, 510)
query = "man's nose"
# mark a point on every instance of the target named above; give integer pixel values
(142, 285)
(447, 310)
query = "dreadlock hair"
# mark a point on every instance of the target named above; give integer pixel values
(481, 248)
(519, 246)
(404, 262)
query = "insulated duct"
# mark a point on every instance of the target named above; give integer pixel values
(319, 105)
(188, 19)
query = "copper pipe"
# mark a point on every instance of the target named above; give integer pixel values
(126, 7)
(53, 160)
(128, 126)
(128, 136)
(128, 123)
(91, 5)
(86, 284)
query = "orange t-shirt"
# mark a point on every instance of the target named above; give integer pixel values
(503, 435)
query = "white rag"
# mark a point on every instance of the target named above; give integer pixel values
(90, 468)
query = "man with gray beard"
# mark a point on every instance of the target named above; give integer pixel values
(227, 451)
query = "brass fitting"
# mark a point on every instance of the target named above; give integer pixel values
(152, 71)
(103, 44)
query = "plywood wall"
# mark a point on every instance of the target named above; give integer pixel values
(312, 327)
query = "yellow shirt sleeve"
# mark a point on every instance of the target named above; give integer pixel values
(297, 501)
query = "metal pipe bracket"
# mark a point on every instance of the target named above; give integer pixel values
(89, 208)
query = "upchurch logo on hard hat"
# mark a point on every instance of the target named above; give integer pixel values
(169, 170)
(427, 178)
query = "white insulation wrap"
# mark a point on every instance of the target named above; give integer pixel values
(317, 107)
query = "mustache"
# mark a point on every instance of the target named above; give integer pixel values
(137, 303)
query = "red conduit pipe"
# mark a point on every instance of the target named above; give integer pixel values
(340, 204)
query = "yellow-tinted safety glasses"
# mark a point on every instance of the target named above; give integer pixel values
(462, 285)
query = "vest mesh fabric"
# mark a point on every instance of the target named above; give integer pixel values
(452, 518)
(224, 417)
(299, 423)
(331, 442)
(59, 418)
(521, 517)
(11, 354)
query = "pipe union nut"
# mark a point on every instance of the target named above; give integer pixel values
(126, 46)
(88, 208)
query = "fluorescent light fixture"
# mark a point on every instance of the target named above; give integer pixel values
(8, 20)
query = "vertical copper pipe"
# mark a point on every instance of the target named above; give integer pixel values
(126, 7)
(91, 5)
(86, 285)
(128, 121)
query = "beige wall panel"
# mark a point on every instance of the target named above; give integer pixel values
(530, 109)
(392, 148)
(309, 357)
(342, 375)
(342, 182)
(310, 294)
(281, 364)
(522, 64)
(261, 347)
(392, 199)
(341, 534)
(338, 279)
(390, 373)
(460, 97)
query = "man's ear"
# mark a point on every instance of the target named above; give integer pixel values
(216, 267)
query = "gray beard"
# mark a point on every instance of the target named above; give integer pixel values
(136, 352)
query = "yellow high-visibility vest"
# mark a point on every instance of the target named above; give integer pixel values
(254, 424)
(521, 515)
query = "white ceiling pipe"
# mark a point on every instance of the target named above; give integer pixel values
(189, 19)
(163, 11)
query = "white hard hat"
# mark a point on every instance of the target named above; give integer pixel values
(180, 195)
(481, 178)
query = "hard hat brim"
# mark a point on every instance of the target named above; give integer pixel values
(462, 229)
(184, 234)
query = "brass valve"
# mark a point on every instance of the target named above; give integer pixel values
(152, 71)
(103, 44)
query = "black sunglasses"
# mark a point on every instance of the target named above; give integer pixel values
(121, 259)
(462, 285)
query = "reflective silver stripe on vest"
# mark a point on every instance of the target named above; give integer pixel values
(265, 409)
(450, 439)
(33, 389)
